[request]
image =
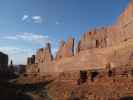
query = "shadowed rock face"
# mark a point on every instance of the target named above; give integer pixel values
(3, 62)
(66, 49)
(31, 60)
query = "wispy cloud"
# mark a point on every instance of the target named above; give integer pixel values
(37, 19)
(22, 45)
(34, 19)
(14, 50)
(30, 37)
(15, 53)
(25, 17)
(10, 38)
(57, 22)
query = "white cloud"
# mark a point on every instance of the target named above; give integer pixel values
(14, 50)
(19, 55)
(34, 19)
(30, 37)
(37, 19)
(54, 51)
(57, 22)
(10, 37)
(22, 45)
(25, 17)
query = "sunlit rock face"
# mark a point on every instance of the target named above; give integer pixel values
(97, 48)
(3, 62)
(44, 54)
(109, 36)
(59, 54)
(42, 59)
(112, 44)
(66, 49)
(115, 41)
(93, 39)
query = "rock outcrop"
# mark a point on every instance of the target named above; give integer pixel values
(112, 44)
(109, 36)
(93, 39)
(31, 60)
(97, 48)
(44, 54)
(65, 49)
(37, 63)
(3, 62)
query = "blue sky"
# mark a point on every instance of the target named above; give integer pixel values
(26, 25)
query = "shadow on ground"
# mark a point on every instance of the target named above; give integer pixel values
(11, 91)
(127, 98)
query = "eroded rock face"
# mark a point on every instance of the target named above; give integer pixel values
(108, 36)
(44, 54)
(31, 60)
(69, 47)
(127, 15)
(113, 44)
(66, 49)
(93, 39)
(59, 53)
(42, 57)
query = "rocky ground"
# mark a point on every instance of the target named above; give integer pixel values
(116, 87)
(101, 89)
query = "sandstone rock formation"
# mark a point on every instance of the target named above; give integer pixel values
(93, 39)
(66, 49)
(44, 54)
(37, 63)
(108, 36)
(59, 54)
(97, 48)
(31, 60)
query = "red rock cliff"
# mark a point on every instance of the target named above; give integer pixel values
(66, 49)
